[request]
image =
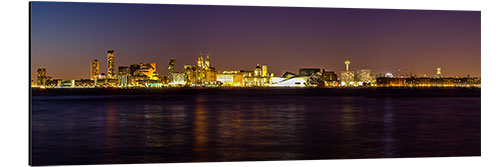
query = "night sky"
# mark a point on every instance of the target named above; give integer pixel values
(65, 37)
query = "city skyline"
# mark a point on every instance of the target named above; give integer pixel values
(401, 39)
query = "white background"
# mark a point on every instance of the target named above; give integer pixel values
(14, 69)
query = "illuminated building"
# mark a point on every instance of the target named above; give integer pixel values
(203, 74)
(146, 71)
(329, 78)
(438, 73)
(211, 76)
(363, 76)
(41, 75)
(309, 71)
(265, 71)
(94, 69)
(289, 75)
(258, 71)
(200, 63)
(256, 78)
(292, 82)
(124, 76)
(83, 83)
(133, 68)
(67, 83)
(106, 82)
(429, 82)
(230, 78)
(207, 62)
(171, 70)
(111, 64)
(178, 79)
(347, 77)
(53, 83)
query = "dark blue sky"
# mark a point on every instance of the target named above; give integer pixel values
(65, 37)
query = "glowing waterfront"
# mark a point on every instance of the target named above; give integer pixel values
(204, 74)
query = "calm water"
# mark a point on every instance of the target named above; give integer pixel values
(152, 129)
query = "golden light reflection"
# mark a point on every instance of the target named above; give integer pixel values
(200, 129)
(348, 119)
(111, 124)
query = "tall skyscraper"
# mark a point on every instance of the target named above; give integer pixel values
(94, 69)
(41, 75)
(171, 70)
(111, 64)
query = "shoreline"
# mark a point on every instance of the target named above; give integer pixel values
(366, 92)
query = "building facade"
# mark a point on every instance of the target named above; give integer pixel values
(111, 64)
(94, 69)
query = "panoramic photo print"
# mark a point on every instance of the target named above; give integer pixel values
(117, 83)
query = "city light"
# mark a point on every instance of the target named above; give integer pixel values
(204, 74)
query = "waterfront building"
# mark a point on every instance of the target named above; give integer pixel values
(289, 75)
(265, 71)
(256, 78)
(329, 78)
(309, 71)
(111, 64)
(178, 79)
(41, 75)
(145, 71)
(347, 77)
(429, 82)
(53, 83)
(106, 82)
(124, 77)
(290, 82)
(67, 83)
(201, 74)
(171, 70)
(363, 76)
(83, 83)
(94, 69)
(230, 78)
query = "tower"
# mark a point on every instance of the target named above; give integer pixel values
(200, 61)
(111, 64)
(347, 62)
(207, 62)
(264, 70)
(438, 73)
(94, 69)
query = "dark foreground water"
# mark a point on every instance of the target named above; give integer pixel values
(192, 128)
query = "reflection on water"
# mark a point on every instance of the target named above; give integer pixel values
(139, 129)
(200, 129)
(388, 139)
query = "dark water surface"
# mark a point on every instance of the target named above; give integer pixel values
(191, 128)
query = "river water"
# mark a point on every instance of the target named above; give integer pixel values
(193, 128)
